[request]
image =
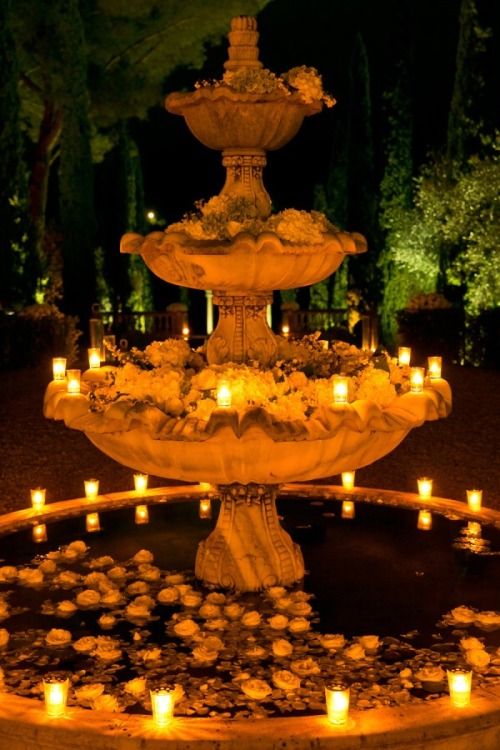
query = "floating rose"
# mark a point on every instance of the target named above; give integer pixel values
(305, 667)
(30, 577)
(149, 572)
(112, 598)
(101, 562)
(282, 647)
(217, 623)
(107, 702)
(208, 611)
(150, 655)
(58, 637)
(136, 686)
(88, 599)
(278, 622)
(470, 643)
(332, 641)
(191, 599)
(88, 693)
(369, 642)
(117, 573)
(215, 597)
(168, 596)
(48, 567)
(8, 573)
(106, 622)
(67, 579)
(463, 615)
(355, 652)
(186, 628)
(137, 587)
(66, 608)
(487, 620)
(257, 690)
(4, 637)
(299, 625)
(276, 592)
(283, 603)
(256, 652)
(251, 619)
(78, 546)
(432, 677)
(85, 645)
(300, 609)
(143, 556)
(204, 655)
(285, 680)
(98, 581)
(107, 649)
(477, 658)
(233, 611)
(174, 579)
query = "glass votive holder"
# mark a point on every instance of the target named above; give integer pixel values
(348, 478)
(37, 498)
(92, 522)
(224, 395)
(73, 381)
(185, 332)
(39, 533)
(325, 344)
(141, 483)
(459, 685)
(404, 355)
(91, 488)
(162, 706)
(475, 499)
(340, 390)
(285, 330)
(141, 514)
(434, 367)
(94, 357)
(424, 522)
(424, 487)
(205, 509)
(348, 509)
(56, 696)
(59, 368)
(337, 703)
(417, 378)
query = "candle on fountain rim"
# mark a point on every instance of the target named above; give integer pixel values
(459, 685)
(424, 522)
(404, 355)
(223, 395)
(59, 368)
(348, 479)
(424, 488)
(205, 509)
(141, 483)
(337, 703)
(205, 487)
(185, 332)
(73, 381)
(91, 488)
(417, 377)
(38, 498)
(162, 705)
(434, 367)
(141, 514)
(475, 499)
(94, 353)
(39, 533)
(324, 344)
(348, 509)
(92, 522)
(56, 695)
(285, 330)
(340, 389)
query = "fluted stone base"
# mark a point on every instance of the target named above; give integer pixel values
(248, 550)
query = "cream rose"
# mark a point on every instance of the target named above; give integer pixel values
(136, 686)
(464, 615)
(58, 637)
(208, 611)
(203, 654)
(488, 620)
(332, 641)
(217, 623)
(88, 599)
(67, 579)
(299, 625)
(137, 612)
(285, 680)
(191, 599)
(256, 652)
(355, 652)
(30, 577)
(102, 562)
(300, 609)
(8, 573)
(278, 622)
(88, 693)
(215, 597)
(107, 649)
(150, 655)
(276, 592)
(106, 702)
(477, 658)
(251, 619)
(137, 588)
(111, 598)
(282, 647)
(233, 611)
(305, 667)
(168, 595)
(174, 579)
(186, 628)
(66, 608)
(96, 580)
(430, 674)
(106, 622)
(210, 642)
(468, 643)
(48, 567)
(85, 645)
(149, 572)
(283, 603)
(143, 556)
(369, 642)
(257, 690)
(4, 637)
(117, 573)
(77, 546)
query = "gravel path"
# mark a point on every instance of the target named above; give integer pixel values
(459, 453)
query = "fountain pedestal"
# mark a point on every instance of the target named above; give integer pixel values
(248, 550)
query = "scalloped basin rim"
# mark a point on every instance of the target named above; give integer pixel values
(178, 101)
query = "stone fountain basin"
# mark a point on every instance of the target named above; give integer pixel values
(246, 264)
(225, 450)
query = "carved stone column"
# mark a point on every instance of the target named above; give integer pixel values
(244, 168)
(242, 331)
(248, 550)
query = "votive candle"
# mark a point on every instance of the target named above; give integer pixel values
(285, 330)
(94, 357)
(37, 498)
(434, 366)
(404, 355)
(459, 685)
(162, 706)
(39, 533)
(141, 514)
(324, 344)
(424, 487)
(92, 522)
(73, 381)
(185, 332)
(91, 488)
(475, 499)
(340, 390)
(417, 377)
(224, 396)
(59, 368)
(205, 487)
(141, 483)
(56, 696)
(205, 510)
(424, 522)
(348, 479)
(348, 509)
(337, 703)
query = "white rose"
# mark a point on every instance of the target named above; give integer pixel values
(217, 623)
(4, 609)
(85, 645)
(138, 587)
(299, 625)
(210, 642)
(282, 647)
(78, 546)
(488, 620)
(88, 599)
(48, 567)
(256, 652)
(88, 693)
(150, 655)
(251, 619)
(102, 562)
(477, 658)
(283, 602)
(258, 690)
(168, 595)
(107, 649)
(98, 581)
(111, 598)
(276, 592)
(191, 599)
(106, 702)
(136, 686)
(305, 667)
(4, 637)
(468, 643)
(143, 556)
(203, 654)
(233, 611)
(332, 641)
(355, 652)
(66, 608)
(208, 611)
(183, 588)
(117, 573)
(136, 612)
(30, 577)
(58, 637)
(8, 573)
(186, 628)
(106, 622)
(278, 622)
(149, 572)
(215, 598)
(174, 579)
(369, 642)
(463, 615)
(300, 609)
(285, 680)
(67, 579)
(430, 674)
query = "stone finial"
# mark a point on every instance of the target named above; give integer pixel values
(243, 38)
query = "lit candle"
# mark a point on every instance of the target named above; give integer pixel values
(224, 395)
(459, 684)
(94, 357)
(141, 483)
(337, 703)
(73, 381)
(474, 529)
(417, 376)
(285, 330)
(424, 487)
(348, 509)
(340, 390)
(162, 705)
(474, 499)
(434, 365)
(91, 488)
(56, 695)
(141, 514)
(348, 479)
(404, 355)
(185, 332)
(324, 344)
(38, 498)
(92, 522)
(205, 487)
(39, 533)
(205, 508)
(424, 522)
(59, 368)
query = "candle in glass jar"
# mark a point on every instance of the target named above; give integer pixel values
(340, 390)
(141, 514)
(185, 332)
(91, 488)
(92, 522)
(434, 366)
(475, 499)
(141, 483)
(285, 330)
(162, 705)
(348, 509)
(37, 498)
(39, 533)
(424, 487)
(205, 510)
(404, 355)
(56, 695)
(73, 381)
(223, 395)
(459, 684)
(424, 522)
(337, 703)
(59, 368)
(417, 377)
(348, 479)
